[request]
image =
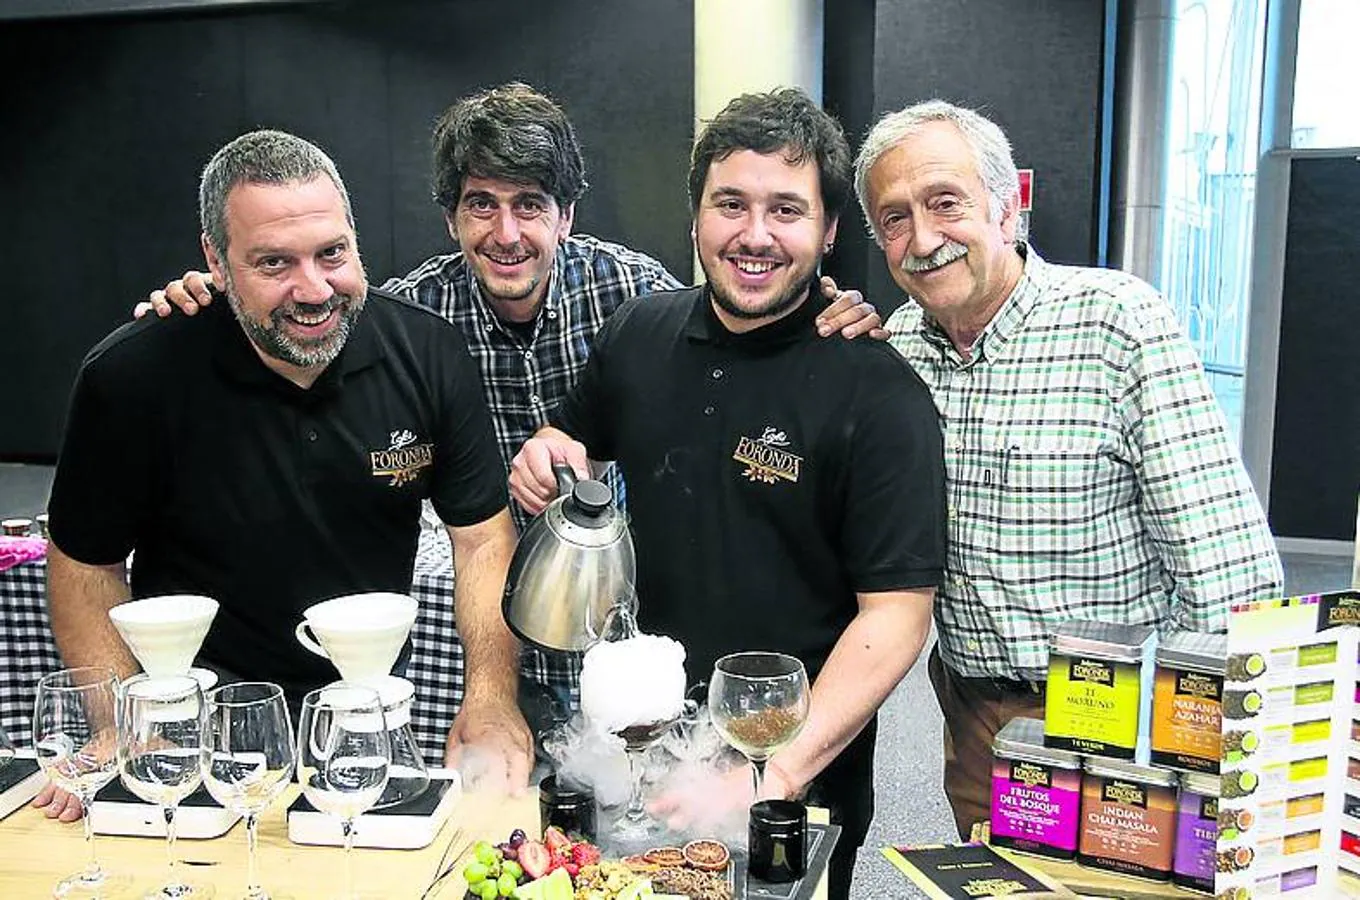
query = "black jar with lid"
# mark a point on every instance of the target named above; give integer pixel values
(568, 806)
(777, 841)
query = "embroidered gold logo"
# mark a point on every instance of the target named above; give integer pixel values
(766, 459)
(402, 460)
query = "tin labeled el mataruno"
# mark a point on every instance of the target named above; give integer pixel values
(1098, 697)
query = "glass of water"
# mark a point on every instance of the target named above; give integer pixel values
(343, 756)
(161, 757)
(75, 738)
(250, 742)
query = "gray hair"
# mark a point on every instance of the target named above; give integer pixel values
(259, 157)
(991, 150)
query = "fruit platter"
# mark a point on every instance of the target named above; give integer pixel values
(560, 868)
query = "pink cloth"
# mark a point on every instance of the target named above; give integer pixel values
(16, 550)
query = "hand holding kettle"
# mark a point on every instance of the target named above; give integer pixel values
(532, 482)
(573, 567)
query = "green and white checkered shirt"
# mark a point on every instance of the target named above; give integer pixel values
(1090, 473)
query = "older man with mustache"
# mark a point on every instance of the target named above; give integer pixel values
(1090, 472)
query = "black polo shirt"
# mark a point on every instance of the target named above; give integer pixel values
(231, 481)
(771, 475)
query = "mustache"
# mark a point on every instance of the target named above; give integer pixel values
(947, 253)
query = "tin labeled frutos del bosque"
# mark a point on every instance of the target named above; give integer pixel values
(1036, 792)
(1098, 697)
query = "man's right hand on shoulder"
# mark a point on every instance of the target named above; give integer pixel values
(187, 293)
(532, 482)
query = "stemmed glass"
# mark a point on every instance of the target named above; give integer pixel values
(75, 738)
(758, 702)
(343, 756)
(161, 757)
(251, 756)
(635, 825)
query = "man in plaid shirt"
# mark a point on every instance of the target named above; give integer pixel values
(528, 295)
(1089, 470)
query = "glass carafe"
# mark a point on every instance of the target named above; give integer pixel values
(407, 775)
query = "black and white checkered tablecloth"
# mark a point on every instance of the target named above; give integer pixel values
(27, 651)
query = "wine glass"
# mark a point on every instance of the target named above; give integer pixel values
(161, 758)
(343, 756)
(251, 756)
(758, 702)
(75, 739)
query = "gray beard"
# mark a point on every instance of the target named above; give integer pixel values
(274, 342)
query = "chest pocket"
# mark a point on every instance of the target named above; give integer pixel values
(1057, 500)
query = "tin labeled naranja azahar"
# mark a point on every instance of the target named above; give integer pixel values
(1036, 792)
(1098, 696)
(1187, 706)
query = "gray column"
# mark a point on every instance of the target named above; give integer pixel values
(1144, 44)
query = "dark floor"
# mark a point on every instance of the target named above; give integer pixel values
(911, 805)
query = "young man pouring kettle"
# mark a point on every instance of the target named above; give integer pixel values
(786, 492)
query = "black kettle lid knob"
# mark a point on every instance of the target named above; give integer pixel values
(590, 502)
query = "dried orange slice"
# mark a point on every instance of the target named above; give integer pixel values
(639, 863)
(665, 856)
(710, 855)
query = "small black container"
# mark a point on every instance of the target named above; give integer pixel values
(777, 841)
(567, 806)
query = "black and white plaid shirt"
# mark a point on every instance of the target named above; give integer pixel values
(525, 376)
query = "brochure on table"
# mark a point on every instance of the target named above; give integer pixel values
(1291, 724)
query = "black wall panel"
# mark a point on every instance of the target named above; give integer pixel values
(108, 120)
(1315, 467)
(1033, 67)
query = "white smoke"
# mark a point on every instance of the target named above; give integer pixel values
(635, 681)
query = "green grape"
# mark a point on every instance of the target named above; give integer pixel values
(474, 873)
(506, 885)
(493, 871)
(488, 890)
(485, 853)
(512, 868)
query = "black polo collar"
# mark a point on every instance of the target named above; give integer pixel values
(703, 325)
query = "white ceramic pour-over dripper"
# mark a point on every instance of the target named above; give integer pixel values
(361, 634)
(165, 633)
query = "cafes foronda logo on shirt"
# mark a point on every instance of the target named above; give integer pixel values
(402, 460)
(767, 458)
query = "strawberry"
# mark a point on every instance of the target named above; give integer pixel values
(535, 859)
(585, 854)
(572, 869)
(554, 838)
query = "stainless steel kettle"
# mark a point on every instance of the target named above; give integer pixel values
(573, 568)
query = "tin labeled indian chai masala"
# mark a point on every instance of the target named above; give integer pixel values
(1128, 819)
(1098, 697)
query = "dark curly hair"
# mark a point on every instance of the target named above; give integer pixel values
(511, 132)
(782, 120)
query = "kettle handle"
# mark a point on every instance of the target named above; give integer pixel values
(566, 478)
